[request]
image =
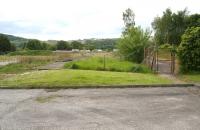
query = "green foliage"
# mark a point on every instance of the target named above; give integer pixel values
(63, 45)
(35, 45)
(131, 45)
(111, 64)
(171, 26)
(5, 45)
(129, 19)
(189, 50)
(77, 45)
(31, 53)
(104, 44)
(165, 46)
(193, 20)
(133, 40)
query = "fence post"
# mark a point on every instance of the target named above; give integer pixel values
(104, 62)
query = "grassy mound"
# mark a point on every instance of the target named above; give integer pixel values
(111, 64)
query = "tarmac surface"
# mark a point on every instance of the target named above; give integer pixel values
(170, 108)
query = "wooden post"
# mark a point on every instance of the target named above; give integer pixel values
(104, 62)
(157, 60)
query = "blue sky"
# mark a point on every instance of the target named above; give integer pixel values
(79, 19)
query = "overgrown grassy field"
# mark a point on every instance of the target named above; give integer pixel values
(31, 53)
(111, 64)
(53, 78)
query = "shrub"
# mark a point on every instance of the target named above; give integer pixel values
(189, 50)
(74, 66)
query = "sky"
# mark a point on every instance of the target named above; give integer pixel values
(80, 19)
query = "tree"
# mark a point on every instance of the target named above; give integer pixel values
(63, 45)
(5, 45)
(170, 27)
(33, 45)
(193, 20)
(129, 19)
(77, 45)
(189, 50)
(133, 39)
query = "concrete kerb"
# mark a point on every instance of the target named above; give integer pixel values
(100, 86)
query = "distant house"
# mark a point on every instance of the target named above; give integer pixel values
(75, 50)
(99, 50)
(115, 50)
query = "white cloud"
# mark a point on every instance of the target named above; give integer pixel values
(78, 19)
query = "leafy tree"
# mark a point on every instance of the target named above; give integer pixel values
(133, 40)
(52, 47)
(129, 19)
(35, 45)
(170, 27)
(89, 46)
(189, 50)
(5, 45)
(63, 45)
(193, 20)
(77, 45)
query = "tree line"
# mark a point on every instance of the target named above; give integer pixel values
(34, 44)
(172, 25)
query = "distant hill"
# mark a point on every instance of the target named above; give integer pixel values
(18, 41)
(107, 43)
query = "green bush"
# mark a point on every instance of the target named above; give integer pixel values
(74, 66)
(189, 50)
(165, 46)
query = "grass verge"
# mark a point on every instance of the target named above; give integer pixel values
(16, 68)
(66, 78)
(190, 77)
(111, 64)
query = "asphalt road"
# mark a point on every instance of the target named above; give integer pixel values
(101, 109)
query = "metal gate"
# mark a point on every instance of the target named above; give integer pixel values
(160, 60)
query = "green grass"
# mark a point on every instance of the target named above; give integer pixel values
(31, 53)
(111, 64)
(190, 77)
(67, 78)
(20, 67)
